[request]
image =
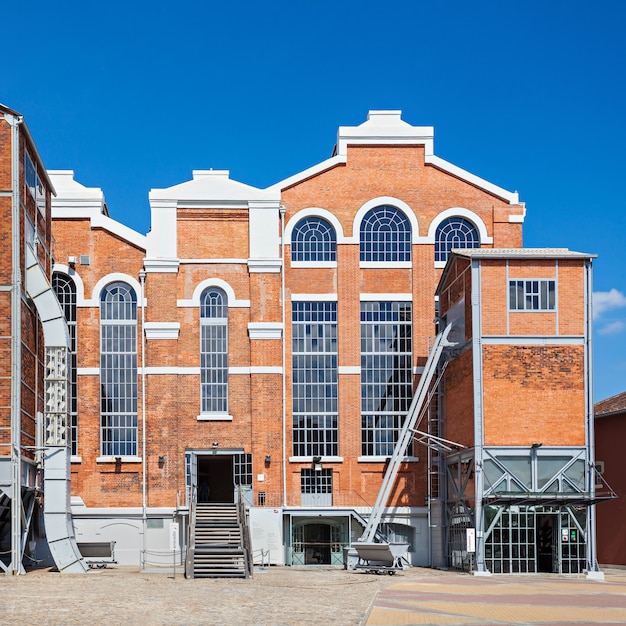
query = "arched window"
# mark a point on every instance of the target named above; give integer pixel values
(454, 232)
(213, 351)
(118, 370)
(65, 290)
(313, 239)
(385, 235)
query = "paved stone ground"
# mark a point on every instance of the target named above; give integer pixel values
(456, 599)
(281, 596)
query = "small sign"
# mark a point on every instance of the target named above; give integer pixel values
(471, 539)
(173, 535)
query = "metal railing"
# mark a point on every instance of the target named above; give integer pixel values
(191, 534)
(242, 515)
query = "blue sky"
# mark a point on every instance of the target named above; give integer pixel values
(530, 95)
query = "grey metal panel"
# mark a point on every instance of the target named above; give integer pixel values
(57, 516)
(5, 471)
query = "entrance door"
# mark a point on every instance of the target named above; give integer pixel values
(547, 543)
(216, 479)
(318, 543)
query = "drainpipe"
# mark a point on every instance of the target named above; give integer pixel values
(16, 341)
(594, 570)
(284, 355)
(144, 463)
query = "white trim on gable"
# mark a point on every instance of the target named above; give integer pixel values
(512, 197)
(308, 173)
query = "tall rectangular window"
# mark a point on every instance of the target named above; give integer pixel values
(532, 295)
(65, 290)
(213, 351)
(118, 370)
(315, 385)
(33, 182)
(386, 374)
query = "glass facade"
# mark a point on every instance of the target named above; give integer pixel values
(386, 374)
(315, 383)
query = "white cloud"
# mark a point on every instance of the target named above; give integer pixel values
(604, 301)
(611, 328)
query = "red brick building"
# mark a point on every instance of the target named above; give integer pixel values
(268, 341)
(515, 397)
(34, 346)
(610, 429)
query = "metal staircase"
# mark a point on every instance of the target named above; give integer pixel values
(406, 435)
(217, 543)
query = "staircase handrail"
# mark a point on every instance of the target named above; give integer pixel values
(191, 533)
(244, 527)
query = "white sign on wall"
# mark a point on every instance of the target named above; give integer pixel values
(471, 539)
(173, 535)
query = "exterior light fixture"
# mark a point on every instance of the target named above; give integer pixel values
(215, 444)
(317, 463)
(268, 458)
(536, 445)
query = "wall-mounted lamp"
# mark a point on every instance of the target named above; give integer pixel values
(71, 261)
(215, 444)
(268, 459)
(317, 463)
(161, 461)
(118, 459)
(536, 445)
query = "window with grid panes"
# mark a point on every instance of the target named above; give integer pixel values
(315, 429)
(214, 351)
(386, 374)
(316, 481)
(385, 235)
(118, 370)
(313, 239)
(454, 232)
(532, 295)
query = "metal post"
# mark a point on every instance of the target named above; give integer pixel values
(16, 355)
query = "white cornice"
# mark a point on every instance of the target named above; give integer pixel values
(265, 330)
(161, 266)
(385, 128)
(161, 330)
(269, 266)
(213, 188)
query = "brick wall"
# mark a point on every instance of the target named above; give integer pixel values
(255, 400)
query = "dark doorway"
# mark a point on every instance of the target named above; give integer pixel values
(546, 543)
(215, 478)
(317, 544)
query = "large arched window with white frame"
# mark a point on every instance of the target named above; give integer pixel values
(385, 235)
(118, 370)
(455, 232)
(213, 351)
(65, 289)
(313, 240)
